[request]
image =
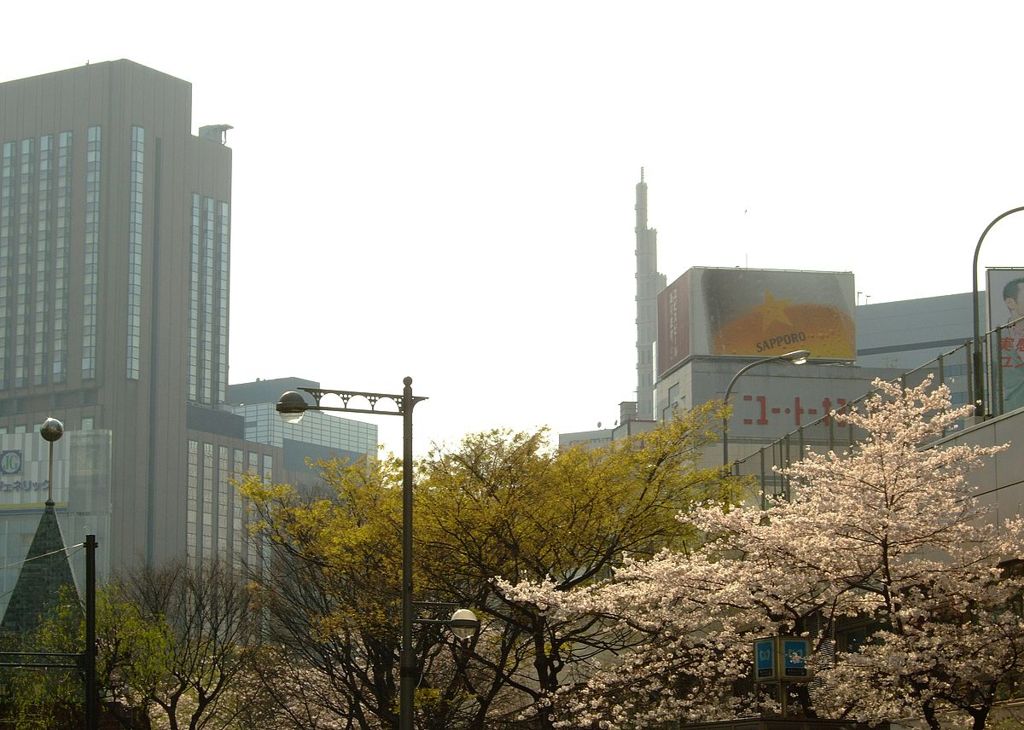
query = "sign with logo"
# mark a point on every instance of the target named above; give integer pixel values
(764, 660)
(756, 313)
(24, 471)
(781, 658)
(10, 461)
(794, 657)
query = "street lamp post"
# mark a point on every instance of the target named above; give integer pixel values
(978, 367)
(797, 357)
(291, 407)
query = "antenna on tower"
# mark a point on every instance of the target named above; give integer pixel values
(641, 174)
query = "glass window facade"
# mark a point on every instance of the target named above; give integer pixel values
(135, 232)
(35, 236)
(43, 262)
(192, 502)
(208, 301)
(223, 286)
(263, 425)
(90, 281)
(193, 303)
(62, 252)
(207, 315)
(6, 238)
(216, 514)
(22, 271)
(206, 489)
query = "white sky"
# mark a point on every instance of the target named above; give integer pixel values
(445, 190)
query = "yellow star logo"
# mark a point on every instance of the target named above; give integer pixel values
(774, 310)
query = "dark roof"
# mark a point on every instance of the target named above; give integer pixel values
(44, 571)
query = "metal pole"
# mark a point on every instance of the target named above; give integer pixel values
(91, 714)
(49, 478)
(407, 658)
(728, 391)
(979, 360)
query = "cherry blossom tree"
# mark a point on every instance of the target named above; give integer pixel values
(888, 533)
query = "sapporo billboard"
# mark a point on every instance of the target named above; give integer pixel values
(1005, 290)
(756, 313)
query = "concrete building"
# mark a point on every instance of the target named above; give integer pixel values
(920, 333)
(115, 254)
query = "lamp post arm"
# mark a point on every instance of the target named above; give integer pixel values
(979, 375)
(745, 368)
(728, 392)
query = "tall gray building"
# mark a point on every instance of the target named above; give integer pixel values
(115, 238)
(648, 283)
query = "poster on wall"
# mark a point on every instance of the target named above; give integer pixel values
(1005, 294)
(761, 312)
(755, 313)
(673, 325)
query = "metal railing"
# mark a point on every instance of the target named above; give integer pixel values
(1003, 358)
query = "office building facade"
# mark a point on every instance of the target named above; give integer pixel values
(115, 258)
(114, 279)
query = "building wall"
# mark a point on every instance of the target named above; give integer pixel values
(914, 333)
(116, 304)
(768, 401)
(907, 333)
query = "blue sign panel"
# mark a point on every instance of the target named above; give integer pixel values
(794, 656)
(764, 659)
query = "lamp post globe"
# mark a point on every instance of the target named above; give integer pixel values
(291, 406)
(464, 624)
(51, 430)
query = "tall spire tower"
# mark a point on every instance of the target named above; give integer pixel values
(648, 283)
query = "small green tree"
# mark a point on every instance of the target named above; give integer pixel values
(131, 654)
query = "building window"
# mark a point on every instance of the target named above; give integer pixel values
(221, 507)
(87, 423)
(135, 222)
(223, 272)
(90, 278)
(22, 270)
(43, 263)
(207, 488)
(193, 303)
(192, 502)
(62, 239)
(6, 222)
(207, 316)
(238, 510)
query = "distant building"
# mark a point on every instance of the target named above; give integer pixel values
(318, 436)
(908, 334)
(115, 256)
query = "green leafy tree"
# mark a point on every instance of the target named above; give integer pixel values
(499, 504)
(175, 648)
(131, 655)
